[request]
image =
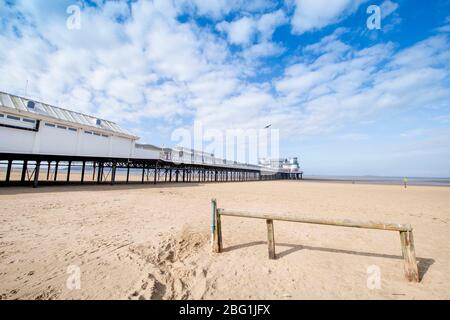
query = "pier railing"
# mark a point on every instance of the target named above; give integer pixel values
(405, 230)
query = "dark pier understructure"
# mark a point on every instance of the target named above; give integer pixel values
(35, 170)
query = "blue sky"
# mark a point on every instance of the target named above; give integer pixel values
(347, 100)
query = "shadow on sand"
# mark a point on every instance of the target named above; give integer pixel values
(73, 187)
(423, 263)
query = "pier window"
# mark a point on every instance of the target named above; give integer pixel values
(73, 129)
(49, 125)
(62, 127)
(88, 132)
(1, 115)
(13, 117)
(29, 120)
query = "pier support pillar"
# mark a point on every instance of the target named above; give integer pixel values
(99, 173)
(24, 171)
(48, 169)
(83, 169)
(36, 174)
(56, 171)
(113, 173)
(8, 171)
(68, 171)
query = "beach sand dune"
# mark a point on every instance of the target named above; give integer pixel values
(153, 242)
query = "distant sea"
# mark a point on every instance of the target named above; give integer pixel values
(416, 181)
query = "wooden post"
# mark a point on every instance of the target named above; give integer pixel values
(156, 172)
(216, 228)
(409, 255)
(128, 172)
(271, 239)
(143, 173)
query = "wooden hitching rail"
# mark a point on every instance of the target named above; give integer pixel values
(405, 230)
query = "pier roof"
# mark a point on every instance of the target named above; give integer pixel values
(43, 110)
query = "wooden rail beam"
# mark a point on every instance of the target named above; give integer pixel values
(331, 222)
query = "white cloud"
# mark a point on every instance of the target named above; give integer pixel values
(240, 31)
(351, 87)
(312, 15)
(246, 30)
(153, 67)
(446, 27)
(262, 49)
(217, 9)
(268, 23)
(387, 8)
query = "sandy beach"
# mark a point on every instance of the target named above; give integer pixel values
(153, 242)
